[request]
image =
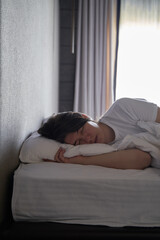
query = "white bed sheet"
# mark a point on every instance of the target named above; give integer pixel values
(72, 193)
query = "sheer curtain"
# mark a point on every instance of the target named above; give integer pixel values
(96, 43)
(138, 72)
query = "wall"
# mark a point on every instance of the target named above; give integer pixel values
(67, 59)
(29, 61)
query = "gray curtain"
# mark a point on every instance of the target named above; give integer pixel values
(90, 82)
(95, 56)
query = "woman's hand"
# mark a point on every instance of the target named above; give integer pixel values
(59, 157)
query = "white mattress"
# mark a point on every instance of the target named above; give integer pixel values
(93, 195)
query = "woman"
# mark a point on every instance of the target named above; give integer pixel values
(120, 120)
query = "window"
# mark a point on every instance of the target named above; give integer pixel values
(138, 66)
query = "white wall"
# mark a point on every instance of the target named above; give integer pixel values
(29, 60)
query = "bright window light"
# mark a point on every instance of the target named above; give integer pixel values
(138, 69)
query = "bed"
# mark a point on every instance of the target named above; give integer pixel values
(91, 195)
(75, 200)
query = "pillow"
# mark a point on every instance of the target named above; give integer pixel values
(36, 148)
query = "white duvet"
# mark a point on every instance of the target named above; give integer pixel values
(147, 141)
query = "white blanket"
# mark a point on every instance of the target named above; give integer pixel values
(147, 141)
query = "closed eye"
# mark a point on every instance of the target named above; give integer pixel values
(76, 141)
(81, 130)
(79, 134)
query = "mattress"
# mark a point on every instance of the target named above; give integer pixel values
(77, 194)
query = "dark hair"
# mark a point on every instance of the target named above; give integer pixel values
(59, 125)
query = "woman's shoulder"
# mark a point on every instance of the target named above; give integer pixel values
(127, 103)
(122, 106)
(119, 103)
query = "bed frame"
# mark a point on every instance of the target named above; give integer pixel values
(48, 230)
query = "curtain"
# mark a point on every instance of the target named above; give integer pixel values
(95, 56)
(139, 50)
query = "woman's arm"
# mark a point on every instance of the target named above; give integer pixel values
(124, 159)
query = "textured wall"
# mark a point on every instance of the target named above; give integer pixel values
(28, 78)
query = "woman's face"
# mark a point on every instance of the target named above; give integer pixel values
(89, 133)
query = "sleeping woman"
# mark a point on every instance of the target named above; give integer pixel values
(120, 120)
